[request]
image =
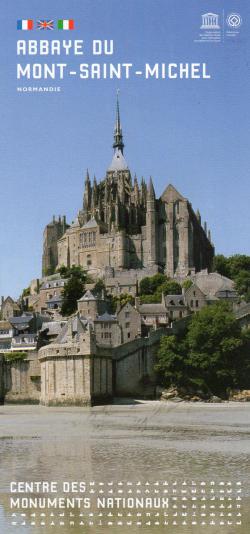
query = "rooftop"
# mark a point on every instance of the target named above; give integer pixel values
(118, 162)
(87, 296)
(90, 224)
(152, 308)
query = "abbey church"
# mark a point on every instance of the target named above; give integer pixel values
(122, 227)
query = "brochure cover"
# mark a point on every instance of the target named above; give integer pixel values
(125, 267)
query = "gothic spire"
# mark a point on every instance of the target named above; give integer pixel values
(87, 179)
(118, 138)
(151, 191)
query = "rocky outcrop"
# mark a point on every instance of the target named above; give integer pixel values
(182, 394)
(238, 395)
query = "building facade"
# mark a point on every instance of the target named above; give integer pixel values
(123, 226)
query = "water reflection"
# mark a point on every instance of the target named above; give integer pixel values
(137, 442)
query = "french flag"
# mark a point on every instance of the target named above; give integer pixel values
(25, 24)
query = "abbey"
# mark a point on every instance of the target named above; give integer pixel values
(122, 226)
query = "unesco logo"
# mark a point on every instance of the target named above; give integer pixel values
(234, 20)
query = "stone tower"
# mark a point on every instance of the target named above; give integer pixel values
(52, 232)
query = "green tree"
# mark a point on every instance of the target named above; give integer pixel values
(215, 343)
(242, 284)
(49, 271)
(172, 362)
(73, 289)
(63, 271)
(221, 265)
(152, 287)
(26, 292)
(149, 284)
(122, 299)
(213, 355)
(170, 287)
(99, 287)
(187, 284)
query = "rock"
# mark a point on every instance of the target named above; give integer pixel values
(195, 398)
(214, 398)
(238, 395)
(169, 393)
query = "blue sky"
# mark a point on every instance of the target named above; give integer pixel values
(191, 133)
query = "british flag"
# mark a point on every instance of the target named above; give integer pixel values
(45, 25)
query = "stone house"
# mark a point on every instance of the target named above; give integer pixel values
(195, 298)
(107, 330)
(176, 307)
(208, 288)
(90, 305)
(9, 308)
(50, 294)
(129, 320)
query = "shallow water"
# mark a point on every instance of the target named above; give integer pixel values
(138, 445)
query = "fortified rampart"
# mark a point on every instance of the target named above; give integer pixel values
(80, 373)
(22, 380)
(70, 377)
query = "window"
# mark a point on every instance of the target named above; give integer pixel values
(194, 293)
(127, 314)
(197, 303)
(180, 314)
(128, 335)
(107, 335)
(127, 325)
(191, 303)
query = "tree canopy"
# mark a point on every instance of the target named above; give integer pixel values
(73, 289)
(152, 287)
(213, 354)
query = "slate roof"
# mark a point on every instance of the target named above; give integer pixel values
(50, 284)
(152, 308)
(22, 319)
(55, 299)
(174, 300)
(90, 224)
(118, 162)
(54, 327)
(210, 283)
(78, 327)
(87, 296)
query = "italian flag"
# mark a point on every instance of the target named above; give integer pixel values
(25, 24)
(63, 24)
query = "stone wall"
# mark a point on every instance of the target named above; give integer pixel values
(22, 380)
(70, 377)
(133, 365)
